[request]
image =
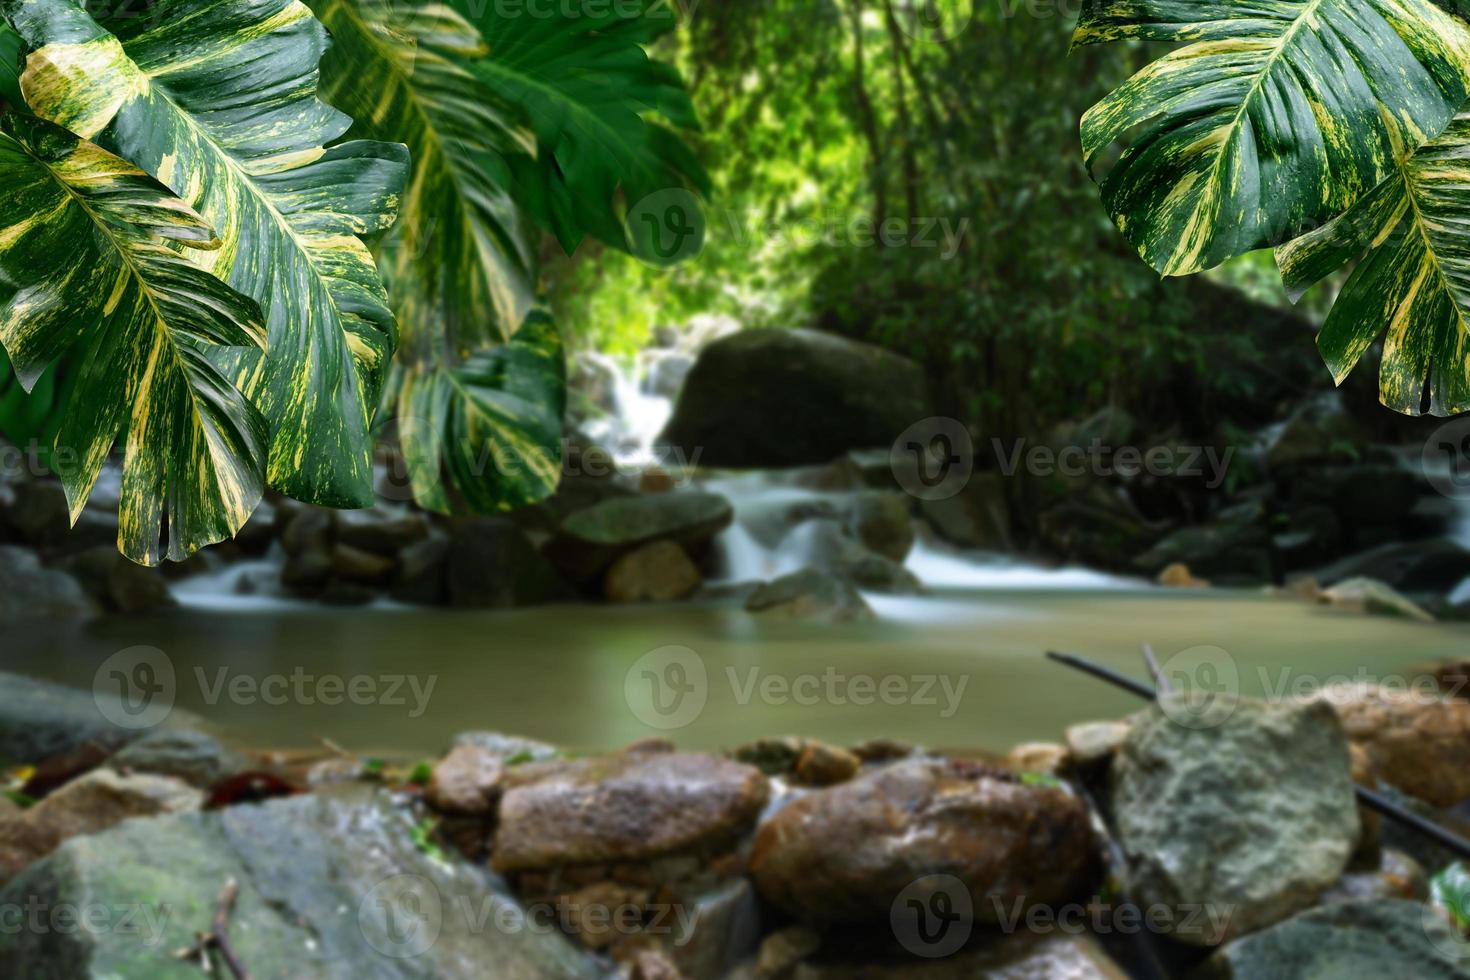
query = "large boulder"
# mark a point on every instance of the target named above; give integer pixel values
(31, 592)
(1230, 803)
(329, 886)
(1370, 940)
(765, 398)
(493, 565)
(40, 720)
(623, 807)
(847, 853)
(1414, 739)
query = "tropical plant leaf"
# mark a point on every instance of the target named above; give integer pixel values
(217, 99)
(461, 260)
(492, 425)
(1275, 117)
(10, 48)
(587, 85)
(1412, 287)
(90, 260)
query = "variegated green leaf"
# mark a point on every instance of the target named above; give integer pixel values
(460, 264)
(1273, 118)
(493, 425)
(91, 263)
(1412, 287)
(593, 95)
(217, 99)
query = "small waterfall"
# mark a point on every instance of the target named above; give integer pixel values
(637, 414)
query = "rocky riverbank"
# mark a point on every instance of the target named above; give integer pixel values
(1209, 837)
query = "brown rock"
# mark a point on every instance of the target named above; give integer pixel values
(623, 808)
(357, 565)
(88, 805)
(1178, 576)
(657, 572)
(601, 914)
(825, 765)
(1093, 743)
(1414, 740)
(844, 854)
(1043, 757)
(656, 480)
(466, 782)
(1453, 679)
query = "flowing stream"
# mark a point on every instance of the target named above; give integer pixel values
(959, 667)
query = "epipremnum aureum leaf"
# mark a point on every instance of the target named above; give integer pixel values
(91, 262)
(218, 100)
(460, 263)
(1412, 286)
(492, 425)
(1272, 119)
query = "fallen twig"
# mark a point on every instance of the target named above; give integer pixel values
(218, 938)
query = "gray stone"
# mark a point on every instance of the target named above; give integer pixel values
(192, 756)
(590, 540)
(1374, 940)
(330, 886)
(794, 397)
(1230, 803)
(882, 522)
(514, 749)
(30, 592)
(39, 720)
(809, 594)
(381, 531)
(1368, 595)
(421, 577)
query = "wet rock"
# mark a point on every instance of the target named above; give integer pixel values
(831, 547)
(380, 531)
(883, 750)
(31, 592)
(1093, 743)
(39, 516)
(770, 398)
(514, 749)
(1234, 547)
(1366, 595)
(1414, 739)
(259, 532)
(845, 854)
(590, 540)
(881, 521)
(723, 930)
(772, 756)
(466, 782)
(976, 517)
(194, 757)
(1415, 568)
(332, 885)
(1347, 941)
(623, 807)
(39, 720)
(421, 577)
(1226, 802)
(89, 804)
(1014, 957)
(493, 565)
(654, 964)
(1318, 431)
(1037, 757)
(825, 765)
(308, 530)
(783, 949)
(1178, 576)
(657, 572)
(810, 595)
(363, 567)
(117, 584)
